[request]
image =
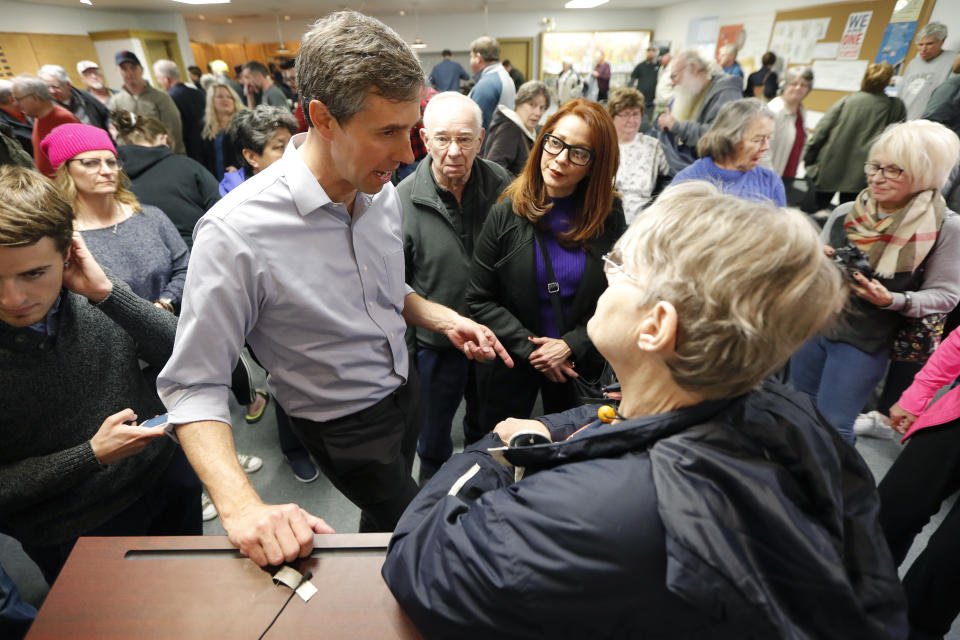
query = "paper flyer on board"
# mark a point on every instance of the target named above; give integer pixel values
(853, 35)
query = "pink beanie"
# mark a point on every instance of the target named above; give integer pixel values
(68, 140)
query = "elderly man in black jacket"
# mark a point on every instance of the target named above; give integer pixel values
(11, 114)
(85, 107)
(445, 202)
(708, 505)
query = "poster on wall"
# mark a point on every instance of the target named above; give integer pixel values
(853, 35)
(907, 11)
(794, 41)
(896, 41)
(622, 49)
(730, 34)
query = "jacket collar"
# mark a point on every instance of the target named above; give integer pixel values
(426, 192)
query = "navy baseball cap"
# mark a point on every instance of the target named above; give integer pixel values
(127, 56)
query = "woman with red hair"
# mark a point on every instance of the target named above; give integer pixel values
(538, 263)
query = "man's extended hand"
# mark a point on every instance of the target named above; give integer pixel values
(476, 341)
(270, 534)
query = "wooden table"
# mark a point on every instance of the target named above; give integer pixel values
(201, 587)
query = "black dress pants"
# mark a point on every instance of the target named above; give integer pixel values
(925, 473)
(512, 393)
(368, 455)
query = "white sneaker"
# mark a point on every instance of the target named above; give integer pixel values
(873, 425)
(209, 511)
(249, 463)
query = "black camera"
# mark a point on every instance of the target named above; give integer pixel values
(851, 259)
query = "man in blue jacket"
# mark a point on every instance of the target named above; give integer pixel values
(447, 74)
(494, 85)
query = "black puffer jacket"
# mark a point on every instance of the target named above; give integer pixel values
(738, 518)
(179, 186)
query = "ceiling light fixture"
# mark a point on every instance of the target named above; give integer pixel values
(417, 42)
(203, 1)
(202, 17)
(584, 4)
(86, 2)
(402, 13)
(229, 20)
(286, 17)
(282, 49)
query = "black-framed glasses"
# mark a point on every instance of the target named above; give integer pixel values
(442, 141)
(890, 172)
(93, 164)
(580, 156)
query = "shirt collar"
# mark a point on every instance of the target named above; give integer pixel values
(48, 326)
(308, 195)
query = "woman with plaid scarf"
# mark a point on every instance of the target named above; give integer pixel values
(900, 227)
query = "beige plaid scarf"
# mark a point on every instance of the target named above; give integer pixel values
(899, 242)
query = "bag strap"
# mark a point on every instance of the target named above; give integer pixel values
(553, 287)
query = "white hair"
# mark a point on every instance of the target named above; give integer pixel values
(935, 30)
(166, 68)
(437, 103)
(926, 150)
(55, 71)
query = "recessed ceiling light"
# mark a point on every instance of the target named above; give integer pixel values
(202, 17)
(402, 12)
(203, 1)
(584, 4)
(286, 17)
(229, 20)
(86, 2)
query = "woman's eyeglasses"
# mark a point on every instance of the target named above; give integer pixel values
(890, 172)
(613, 267)
(93, 164)
(580, 156)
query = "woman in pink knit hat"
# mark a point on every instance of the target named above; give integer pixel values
(137, 242)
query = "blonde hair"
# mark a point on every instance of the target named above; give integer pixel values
(749, 281)
(211, 123)
(926, 150)
(64, 183)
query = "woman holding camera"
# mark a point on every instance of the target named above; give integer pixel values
(551, 227)
(911, 242)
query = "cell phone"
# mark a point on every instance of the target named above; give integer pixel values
(155, 422)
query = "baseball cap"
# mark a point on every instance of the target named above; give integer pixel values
(127, 56)
(86, 65)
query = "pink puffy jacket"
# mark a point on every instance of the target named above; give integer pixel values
(942, 368)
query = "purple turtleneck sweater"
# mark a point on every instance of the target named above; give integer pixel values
(567, 265)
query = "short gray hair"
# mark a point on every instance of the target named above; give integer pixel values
(438, 101)
(926, 150)
(529, 91)
(6, 91)
(56, 71)
(253, 128)
(793, 73)
(935, 30)
(733, 119)
(749, 281)
(167, 68)
(30, 85)
(346, 55)
(487, 48)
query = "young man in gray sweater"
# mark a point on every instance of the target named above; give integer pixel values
(73, 460)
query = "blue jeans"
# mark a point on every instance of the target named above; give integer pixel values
(838, 377)
(15, 614)
(446, 377)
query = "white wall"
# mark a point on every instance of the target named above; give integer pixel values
(948, 12)
(33, 18)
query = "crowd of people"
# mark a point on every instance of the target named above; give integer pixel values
(157, 241)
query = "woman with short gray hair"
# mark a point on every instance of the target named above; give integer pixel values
(513, 131)
(731, 150)
(789, 131)
(260, 135)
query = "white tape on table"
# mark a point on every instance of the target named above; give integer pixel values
(291, 577)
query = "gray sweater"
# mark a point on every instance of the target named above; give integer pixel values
(146, 251)
(56, 392)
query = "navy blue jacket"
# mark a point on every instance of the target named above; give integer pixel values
(737, 518)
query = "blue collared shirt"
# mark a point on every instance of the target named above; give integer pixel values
(48, 326)
(316, 293)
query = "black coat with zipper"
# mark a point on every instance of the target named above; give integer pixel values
(503, 283)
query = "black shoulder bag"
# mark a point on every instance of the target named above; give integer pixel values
(586, 391)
